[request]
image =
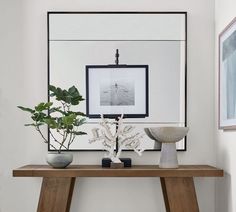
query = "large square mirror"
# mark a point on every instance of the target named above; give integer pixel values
(155, 41)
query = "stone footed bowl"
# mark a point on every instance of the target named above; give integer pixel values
(168, 134)
(157, 144)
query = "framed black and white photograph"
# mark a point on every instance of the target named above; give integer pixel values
(227, 77)
(115, 90)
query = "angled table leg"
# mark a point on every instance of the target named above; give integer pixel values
(56, 194)
(179, 194)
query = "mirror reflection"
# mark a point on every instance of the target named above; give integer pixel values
(158, 40)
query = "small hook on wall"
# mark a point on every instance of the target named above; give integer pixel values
(117, 57)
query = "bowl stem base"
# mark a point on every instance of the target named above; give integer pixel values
(168, 157)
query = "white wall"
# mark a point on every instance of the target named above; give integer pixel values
(224, 140)
(23, 81)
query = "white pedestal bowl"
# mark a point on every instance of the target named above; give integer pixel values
(168, 136)
(157, 144)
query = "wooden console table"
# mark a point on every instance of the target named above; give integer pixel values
(177, 184)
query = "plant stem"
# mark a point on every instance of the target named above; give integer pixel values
(53, 147)
(38, 129)
(56, 139)
(45, 140)
(63, 141)
(72, 140)
(59, 132)
(69, 142)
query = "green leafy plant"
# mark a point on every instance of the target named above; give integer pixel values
(63, 123)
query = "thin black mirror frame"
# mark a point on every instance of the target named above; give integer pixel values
(119, 12)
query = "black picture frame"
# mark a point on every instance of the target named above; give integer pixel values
(125, 102)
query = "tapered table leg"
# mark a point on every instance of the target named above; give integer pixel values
(179, 194)
(56, 194)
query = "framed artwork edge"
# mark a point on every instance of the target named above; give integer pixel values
(223, 126)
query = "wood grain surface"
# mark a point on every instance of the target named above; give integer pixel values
(177, 184)
(56, 194)
(179, 194)
(134, 171)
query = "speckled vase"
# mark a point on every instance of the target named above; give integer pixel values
(59, 160)
(168, 157)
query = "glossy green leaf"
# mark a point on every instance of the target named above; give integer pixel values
(62, 119)
(79, 133)
(26, 109)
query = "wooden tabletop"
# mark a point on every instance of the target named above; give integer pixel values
(134, 171)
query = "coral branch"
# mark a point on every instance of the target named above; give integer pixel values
(122, 134)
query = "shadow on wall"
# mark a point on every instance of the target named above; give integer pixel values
(224, 194)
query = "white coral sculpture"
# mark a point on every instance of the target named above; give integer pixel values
(123, 135)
